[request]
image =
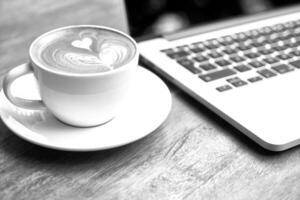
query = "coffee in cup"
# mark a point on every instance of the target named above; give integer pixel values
(83, 50)
(83, 72)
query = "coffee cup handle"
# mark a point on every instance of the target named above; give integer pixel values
(11, 76)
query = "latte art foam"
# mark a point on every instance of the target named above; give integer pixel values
(85, 50)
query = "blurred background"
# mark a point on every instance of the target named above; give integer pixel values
(163, 16)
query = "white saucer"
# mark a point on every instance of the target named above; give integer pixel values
(148, 106)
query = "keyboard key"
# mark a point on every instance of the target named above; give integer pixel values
(265, 51)
(265, 30)
(223, 62)
(182, 47)
(289, 25)
(199, 44)
(196, 49)
(242, 68)
(297, 22)
(273, 38)
(215, 54)
(282, 69)
(217, 75)
(233, 79)
(243, 47)
(207, 66)
(252, 33)
(285, 35)
(256, 64)
(211, 44)
(240, 37)
(252, 55)
(297, 39)
(237, 58)
(295, 64)
(224, 88)
(257, 44)
(288, 42)
(295, 53)
(229, 51)
(200, 58)
(237, 82)
(178, 54)
(292, 44)
(261, 41)
(255, 79)
(278, 27)
(189, 65)
(270, 60)
(167, 50)
(284, 56)
(296, 31)
(279, 48)
(226, 40)
(266, 73)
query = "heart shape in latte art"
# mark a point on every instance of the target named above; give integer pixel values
(84, 43)
(84, 56)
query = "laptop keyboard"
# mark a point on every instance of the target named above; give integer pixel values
(270, 51)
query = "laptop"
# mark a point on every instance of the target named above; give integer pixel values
(246, 70)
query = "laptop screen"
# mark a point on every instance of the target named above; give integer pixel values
(151, 17)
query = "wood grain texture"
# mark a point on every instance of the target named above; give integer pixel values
(193, 155)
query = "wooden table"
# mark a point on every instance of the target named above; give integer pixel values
(193, 155)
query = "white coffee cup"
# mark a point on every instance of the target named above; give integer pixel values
(76, 99)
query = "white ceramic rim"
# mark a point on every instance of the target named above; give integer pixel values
(38, 64)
